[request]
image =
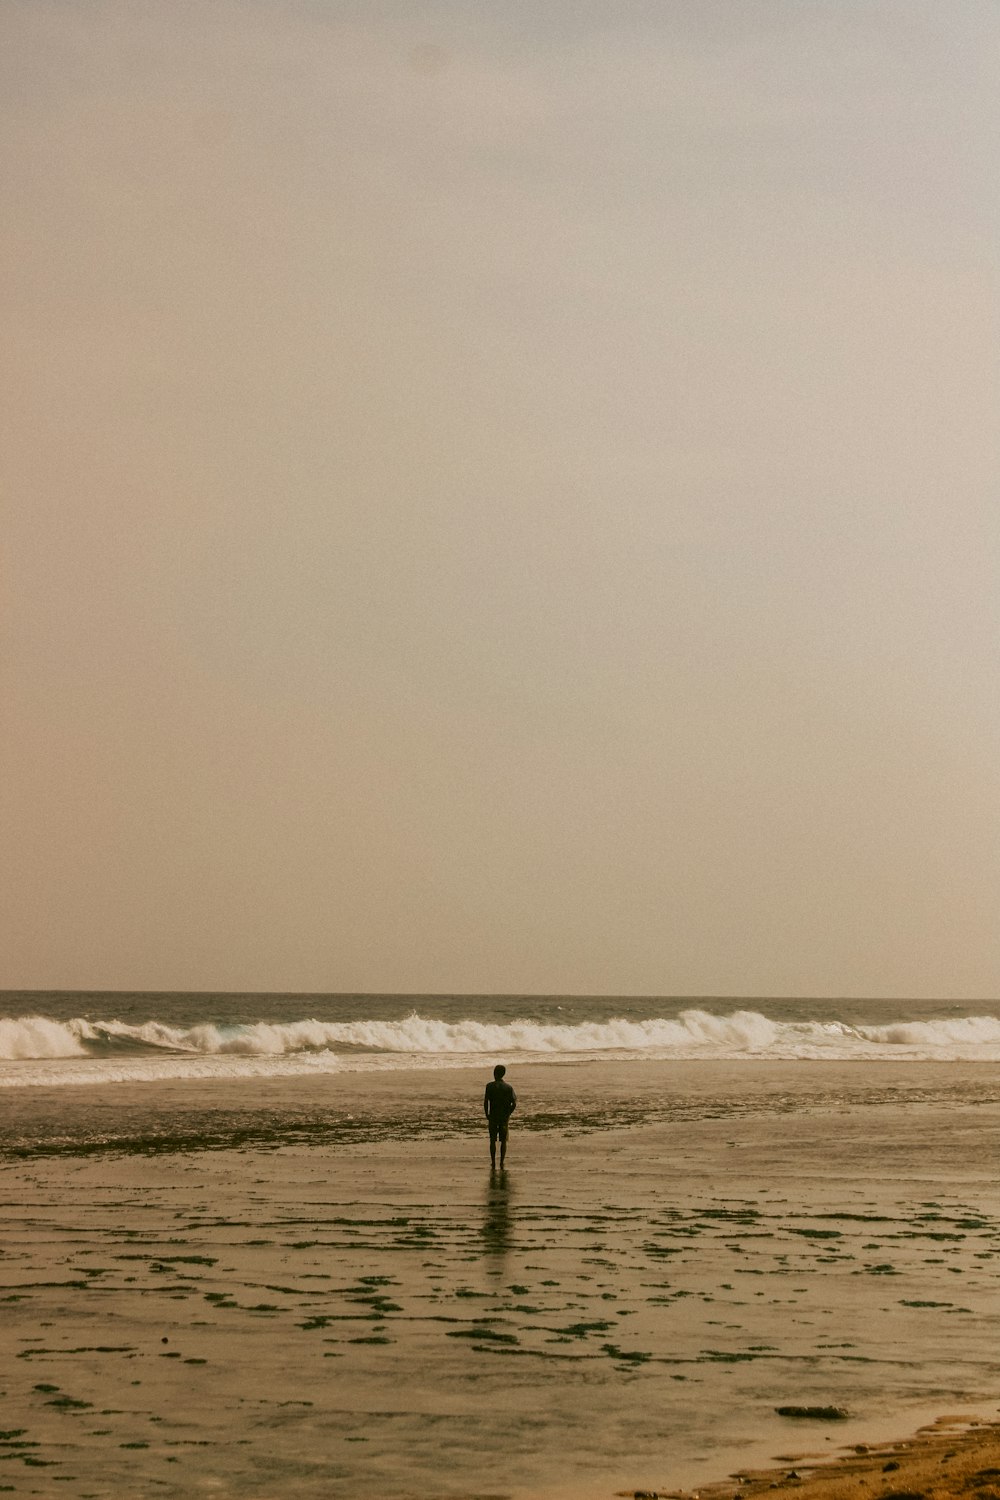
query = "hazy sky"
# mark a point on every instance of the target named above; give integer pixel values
(501, 497)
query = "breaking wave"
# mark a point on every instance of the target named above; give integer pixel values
(422, 1041)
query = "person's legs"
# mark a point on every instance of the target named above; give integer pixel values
(493, 1146)
(503, 1143)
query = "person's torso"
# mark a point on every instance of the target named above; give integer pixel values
(501, 1097)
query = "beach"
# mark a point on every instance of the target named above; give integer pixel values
(243, 1300)
(499, 578)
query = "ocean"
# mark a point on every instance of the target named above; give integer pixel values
(91, 1037)
(253, 1246)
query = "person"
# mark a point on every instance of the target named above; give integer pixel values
(499, 1103)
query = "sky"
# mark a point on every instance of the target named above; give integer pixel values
(501, 498)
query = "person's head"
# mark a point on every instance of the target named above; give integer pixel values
(499, 1071)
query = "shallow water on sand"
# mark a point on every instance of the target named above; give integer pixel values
(667, 1259)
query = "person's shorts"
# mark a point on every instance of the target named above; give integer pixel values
(498, 1129)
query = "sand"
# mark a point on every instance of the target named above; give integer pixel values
(622, 1311)
(949, 1459)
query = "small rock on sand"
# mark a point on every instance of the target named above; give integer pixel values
(818, 1413)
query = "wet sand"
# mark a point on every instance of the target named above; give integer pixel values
(622, 1310)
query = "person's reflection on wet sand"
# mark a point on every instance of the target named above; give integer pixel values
(497, 1222)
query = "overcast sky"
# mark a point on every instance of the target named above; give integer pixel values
(501, 497)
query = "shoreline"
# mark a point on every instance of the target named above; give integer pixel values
(953, 1456)
(624, 1310)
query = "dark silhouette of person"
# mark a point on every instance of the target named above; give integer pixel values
(499, 1103)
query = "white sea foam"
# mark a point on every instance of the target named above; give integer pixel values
(114, 1049)
(37, 1036)
(959, 1031)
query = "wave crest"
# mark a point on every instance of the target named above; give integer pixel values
(691, 1034)
(24, 1037)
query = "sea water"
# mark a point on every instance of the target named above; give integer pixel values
(231, 1046)
(105, 1037)
(253, 1245)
